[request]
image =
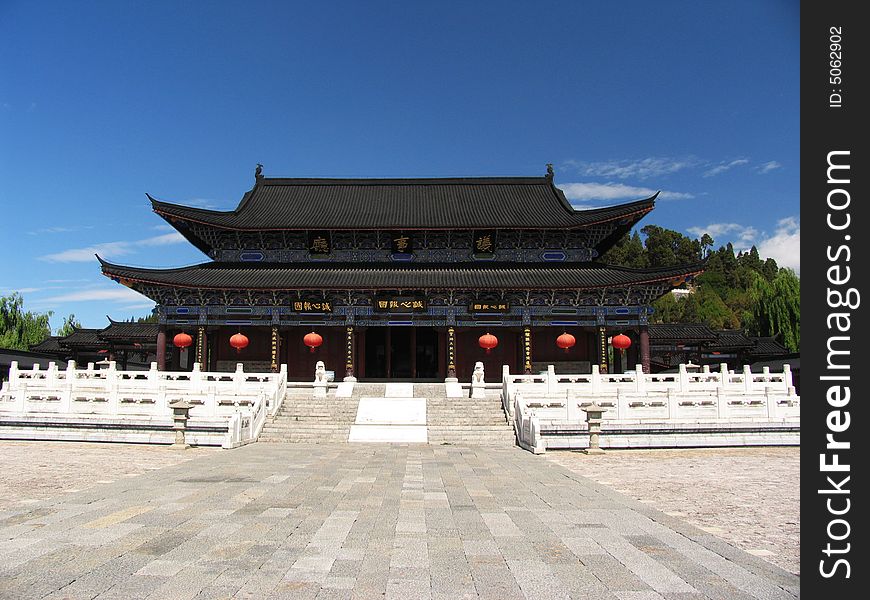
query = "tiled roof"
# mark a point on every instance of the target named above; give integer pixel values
(469, 203)
(767, 346)
(730, 339)
(49, 345)
(402, 276)
(120, 330)
(82, 337)
(680, 332)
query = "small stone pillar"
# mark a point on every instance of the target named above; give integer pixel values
(478, 385)
(320, 381)
(180, 415)
(593, 418)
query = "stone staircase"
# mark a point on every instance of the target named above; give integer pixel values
(306, 419)
(466, 421)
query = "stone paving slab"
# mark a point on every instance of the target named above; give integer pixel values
(363, 521)
(749, 497)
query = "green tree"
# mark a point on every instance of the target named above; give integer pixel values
(19, 329)
(70, 324)
(777, 309)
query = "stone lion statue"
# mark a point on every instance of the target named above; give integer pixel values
(320, 372)
(477, 375)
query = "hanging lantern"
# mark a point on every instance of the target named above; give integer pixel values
(488, 341)
(312, 340)
(621, 342)
(182, 340)
(239, 341)
(566, 341)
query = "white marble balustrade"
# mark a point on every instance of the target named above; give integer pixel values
(238, 399)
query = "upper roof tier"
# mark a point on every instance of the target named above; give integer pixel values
(455, 203)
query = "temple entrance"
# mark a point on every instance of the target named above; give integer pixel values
(401, 353)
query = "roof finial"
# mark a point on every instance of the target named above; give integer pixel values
(550, 170)
(258, 172)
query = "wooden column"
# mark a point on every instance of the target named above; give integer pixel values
(451, 353)
(348, 352)
(273, 350)
(388, 352)
(413, 337)
(161, 348)
(644, 348)
(602, 349)
(527, 350)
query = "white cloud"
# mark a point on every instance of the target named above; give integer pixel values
(725, 166)
(768, 167)
(112, 249)
(784, 246)
(58, 229)
(722, 233)
(614, 191)
(118, 294)
(640, 168)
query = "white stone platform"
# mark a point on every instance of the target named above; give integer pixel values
(391, 419)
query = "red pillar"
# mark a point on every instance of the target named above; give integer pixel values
(161, 348)
(644, 348)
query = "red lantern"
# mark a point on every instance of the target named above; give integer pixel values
(621, 342)
(239, 341)
(312, 340)
(488, 341)
(182, 340)
(566, 341)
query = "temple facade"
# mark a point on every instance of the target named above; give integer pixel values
(403, 279)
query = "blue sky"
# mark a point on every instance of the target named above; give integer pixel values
(101, 102)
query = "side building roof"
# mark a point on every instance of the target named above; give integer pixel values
(495, 276)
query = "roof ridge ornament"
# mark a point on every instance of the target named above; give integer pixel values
(258, 172)
(550, 170)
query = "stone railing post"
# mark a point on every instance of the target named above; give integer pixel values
(639, 379)
(593, 418)
(787, 377)
(551, 380)
(747, 379)
(770, 400)
(721, 403)
(239, 378)
(723, 375)
(111, 383)
(596, 381)
(13, 375)
(684, 378)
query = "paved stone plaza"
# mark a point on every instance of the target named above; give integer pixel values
(364, 521)
(747, 496)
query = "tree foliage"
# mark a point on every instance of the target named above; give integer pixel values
(70, 324)
(738, 290)
(778, 309)
(19, 329)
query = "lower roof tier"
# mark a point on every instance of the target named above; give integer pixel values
(332, 276)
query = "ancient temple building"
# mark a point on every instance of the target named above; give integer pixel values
(402, 278)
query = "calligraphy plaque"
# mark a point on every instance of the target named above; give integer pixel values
(483, 242)
(399, 304)
(489, 307)
(401, 243)
(319, 243)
